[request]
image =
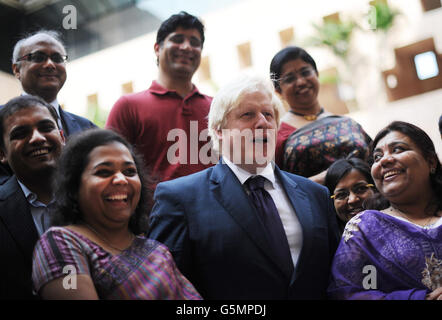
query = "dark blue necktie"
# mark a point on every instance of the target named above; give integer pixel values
(269, 216)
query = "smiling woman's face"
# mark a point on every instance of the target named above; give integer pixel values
(350, 193)
(300, 92)
(110, 187)
(400, 170)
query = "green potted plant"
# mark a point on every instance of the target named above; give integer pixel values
(335, 35)
(384, 16)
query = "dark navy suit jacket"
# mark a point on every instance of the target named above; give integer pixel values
(18, 233)
(71, 124)
(211, 227)
(18, 236)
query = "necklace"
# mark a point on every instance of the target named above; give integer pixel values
(106, 241)
(396, 211)
(308, 117)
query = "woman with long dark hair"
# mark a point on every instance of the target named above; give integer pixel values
(102, 210)
(395, 251)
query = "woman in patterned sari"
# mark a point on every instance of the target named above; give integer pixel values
(98, 247)
(395, 252)
(310, 139)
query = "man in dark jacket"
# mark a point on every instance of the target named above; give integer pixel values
(39, 62)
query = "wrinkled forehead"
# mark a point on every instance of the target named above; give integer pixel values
(42, 42)
(258, 95)
(251, 95)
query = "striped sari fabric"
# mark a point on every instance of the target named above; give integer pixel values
(145, 270)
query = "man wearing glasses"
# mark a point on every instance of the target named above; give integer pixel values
(148, 119)
(39, 62)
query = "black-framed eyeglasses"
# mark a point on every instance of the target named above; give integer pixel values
(293, 76)
(39, 57)
(358, 190)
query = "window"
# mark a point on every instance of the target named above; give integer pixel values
(391, 81)
(287, 37)
(417, 70)
(373, 2)
(92, 101)
(426, 65)
(127, 87)
(244, 55)
(94, 112)
(332, 18)
(204, 69)
(429, 5)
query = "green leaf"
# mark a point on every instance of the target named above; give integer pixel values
(335, 35)
(385, 16)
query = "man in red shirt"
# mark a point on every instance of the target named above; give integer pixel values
(167, 123)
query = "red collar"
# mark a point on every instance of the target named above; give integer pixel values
(160, 90)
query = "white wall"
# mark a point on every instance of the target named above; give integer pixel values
(423, 111)
(258, 22)
(9, 87)
(105, 71)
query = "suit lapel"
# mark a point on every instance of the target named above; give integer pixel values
(17, 218)
(301, 204)
(69, 123)
(231, 195)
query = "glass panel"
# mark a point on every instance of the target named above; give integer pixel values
(426, 65)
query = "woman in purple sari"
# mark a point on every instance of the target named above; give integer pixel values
(395, 252)
(98, 247)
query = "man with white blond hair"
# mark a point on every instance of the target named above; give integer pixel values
(244, 229)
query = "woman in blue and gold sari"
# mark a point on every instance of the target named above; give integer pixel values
(310, 139)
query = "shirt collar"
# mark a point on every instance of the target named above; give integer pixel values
(267, 172)
(53, 103)
(158, 89)
(31, 197)
(57, 109)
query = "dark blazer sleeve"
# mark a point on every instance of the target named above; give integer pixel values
(5, 173)
(18, 236)
(168, 225)
(5, 170)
